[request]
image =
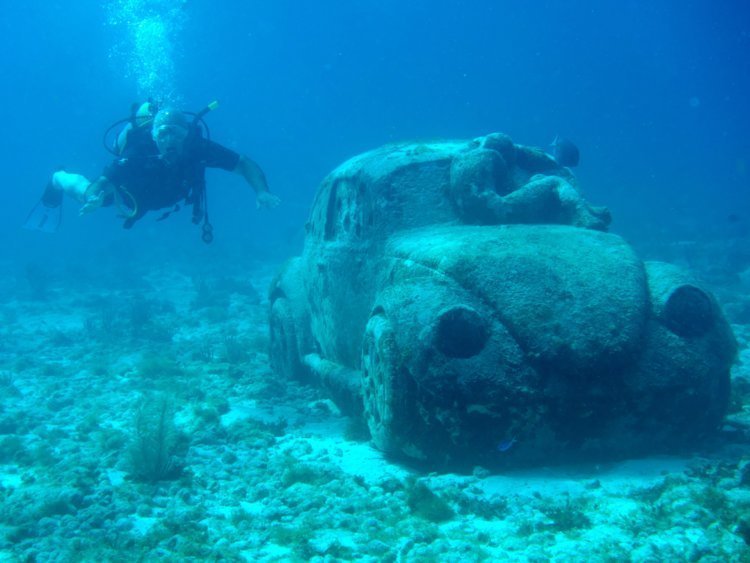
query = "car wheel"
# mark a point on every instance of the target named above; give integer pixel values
(380, 389)
(284, 350)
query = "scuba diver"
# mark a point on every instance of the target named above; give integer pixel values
(161, 161)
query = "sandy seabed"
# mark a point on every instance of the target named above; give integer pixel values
(140, 420)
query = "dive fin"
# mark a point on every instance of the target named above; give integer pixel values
(46, 215)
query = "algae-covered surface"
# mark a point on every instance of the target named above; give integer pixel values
(141, 421)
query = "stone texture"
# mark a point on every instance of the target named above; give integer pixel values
(463, 296)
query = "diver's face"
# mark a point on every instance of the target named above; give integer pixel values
(170, 140)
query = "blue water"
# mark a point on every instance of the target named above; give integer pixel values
(654, 93)
(655, 96)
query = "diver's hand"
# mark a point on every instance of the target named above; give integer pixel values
(93, 197)
(267, 200)
(92, 203)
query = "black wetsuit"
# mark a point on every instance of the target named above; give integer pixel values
(145, 179)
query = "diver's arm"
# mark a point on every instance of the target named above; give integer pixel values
(253, 175)
(251, 172)
(95, 194)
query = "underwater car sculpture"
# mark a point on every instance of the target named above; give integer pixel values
(468, 303)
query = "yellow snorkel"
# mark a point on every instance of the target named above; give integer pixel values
(210, 107)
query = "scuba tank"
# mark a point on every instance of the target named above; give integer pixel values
(137, 123)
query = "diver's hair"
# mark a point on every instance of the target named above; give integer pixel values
(171, 116)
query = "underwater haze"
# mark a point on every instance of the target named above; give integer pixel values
(111, 333)
(654, 96)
